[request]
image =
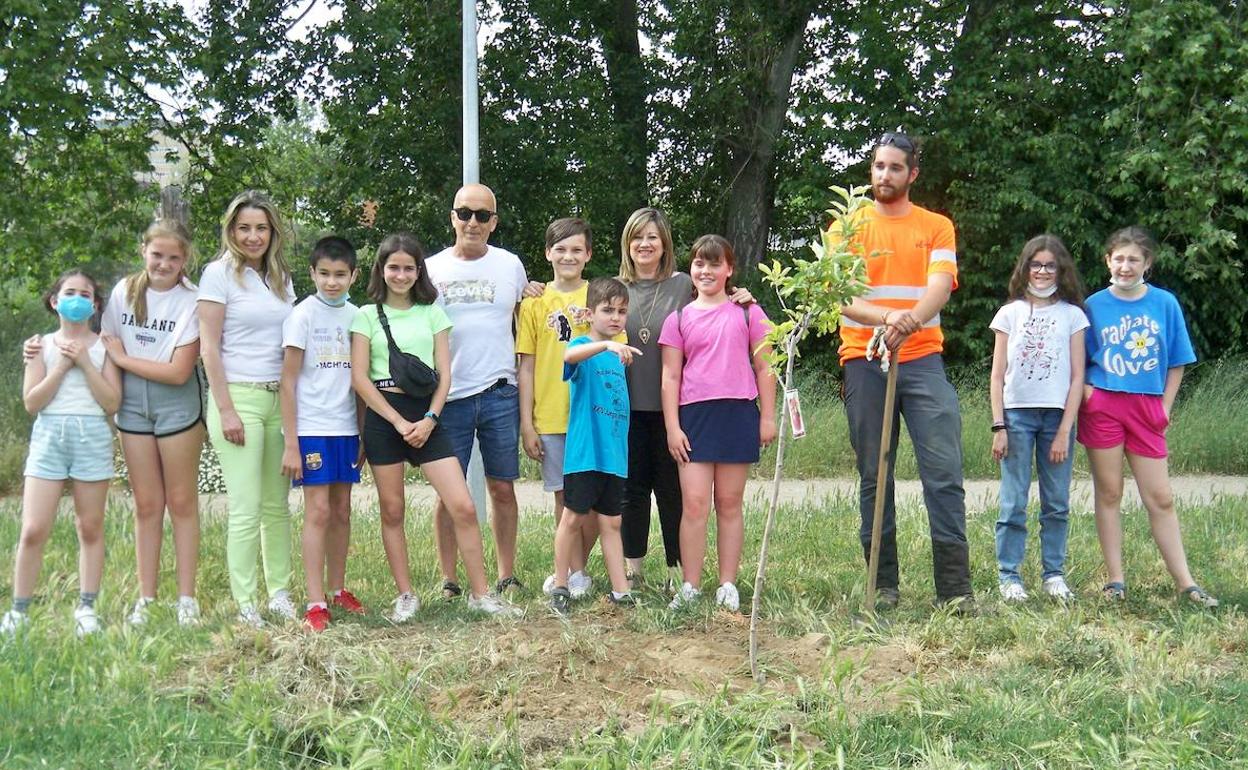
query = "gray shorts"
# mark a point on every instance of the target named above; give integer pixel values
(552, 461)
(156, 409)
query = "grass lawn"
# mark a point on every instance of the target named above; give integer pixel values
(1149, 683)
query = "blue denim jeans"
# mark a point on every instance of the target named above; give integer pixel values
(1030, 433)
(493, 416)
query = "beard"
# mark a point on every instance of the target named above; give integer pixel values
(892, 194)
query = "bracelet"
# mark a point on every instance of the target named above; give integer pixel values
(432, 415)
(998, 426)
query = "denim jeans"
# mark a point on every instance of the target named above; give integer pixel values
(493, 417)
(1030, 433)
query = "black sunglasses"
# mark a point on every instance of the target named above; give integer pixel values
(465, 213)
(900, 141)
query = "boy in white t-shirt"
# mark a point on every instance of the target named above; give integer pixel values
(320, 423)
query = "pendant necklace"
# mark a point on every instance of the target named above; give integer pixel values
(644, 332)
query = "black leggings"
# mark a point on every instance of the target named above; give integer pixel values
(650, 469)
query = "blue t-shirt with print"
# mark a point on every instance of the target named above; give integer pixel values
(598, 414)
(1133, 343)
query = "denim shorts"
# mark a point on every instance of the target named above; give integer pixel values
(493, 416)
(69, 446)
(329, 460)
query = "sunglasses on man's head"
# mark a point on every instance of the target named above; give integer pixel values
(465, 213)
(891, 139)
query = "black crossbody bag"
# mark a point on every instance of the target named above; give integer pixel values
(410, 374)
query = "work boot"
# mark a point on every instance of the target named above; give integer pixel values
(886, 580)
(951, 571)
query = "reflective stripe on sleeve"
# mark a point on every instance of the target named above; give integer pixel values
(894, 292)
(850, 323)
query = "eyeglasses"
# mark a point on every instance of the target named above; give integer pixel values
(900, 141)
(1042, 267)
(465, 213)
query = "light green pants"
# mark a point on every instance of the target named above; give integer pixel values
(257, 490)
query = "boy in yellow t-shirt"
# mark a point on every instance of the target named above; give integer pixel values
(547, 324)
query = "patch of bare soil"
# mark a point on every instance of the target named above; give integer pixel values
(555, 683)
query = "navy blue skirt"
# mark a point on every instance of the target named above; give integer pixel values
(721, 431)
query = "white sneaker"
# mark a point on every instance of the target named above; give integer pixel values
(579, 584)
(188, 611)
(494, 605)
(12, 622)
(548, 584)
(405, 606)
(86, 622)
(726, 596)
(250, 616)
(282, 606)
(1013, 591)
(138, 616)
(685, 596)
(1057, 588)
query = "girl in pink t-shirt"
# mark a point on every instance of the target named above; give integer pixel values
(714, 369)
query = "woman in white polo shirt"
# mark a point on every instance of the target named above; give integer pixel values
(244, 296)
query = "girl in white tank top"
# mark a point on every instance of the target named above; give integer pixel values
(72, 388)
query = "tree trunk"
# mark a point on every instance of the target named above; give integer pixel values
(751, 188)
(627, 86)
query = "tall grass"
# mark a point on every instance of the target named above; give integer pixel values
(1205, 436)
(1149, 683)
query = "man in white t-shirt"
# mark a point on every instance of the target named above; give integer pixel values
(480, 286)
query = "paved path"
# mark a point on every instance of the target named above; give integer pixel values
(981, 494)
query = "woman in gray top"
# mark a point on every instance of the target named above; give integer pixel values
(655, 291)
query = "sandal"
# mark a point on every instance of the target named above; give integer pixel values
(1114, 592)
(450, 590)
(635, 580)
(1198, 596)
(508, 583)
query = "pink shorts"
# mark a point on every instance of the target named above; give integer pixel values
(1137, 420)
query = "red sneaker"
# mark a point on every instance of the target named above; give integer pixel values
(316, 619)
(347, 601)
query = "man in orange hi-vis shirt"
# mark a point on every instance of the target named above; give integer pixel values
(912, 268)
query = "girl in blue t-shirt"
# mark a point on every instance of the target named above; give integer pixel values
(1137, 349)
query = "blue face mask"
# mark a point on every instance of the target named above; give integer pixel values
(339, 302)
(75, 308)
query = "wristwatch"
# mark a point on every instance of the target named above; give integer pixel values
(432, 415)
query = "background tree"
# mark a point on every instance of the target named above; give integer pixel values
(736, 117)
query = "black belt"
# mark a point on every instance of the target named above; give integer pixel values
(499, 383)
